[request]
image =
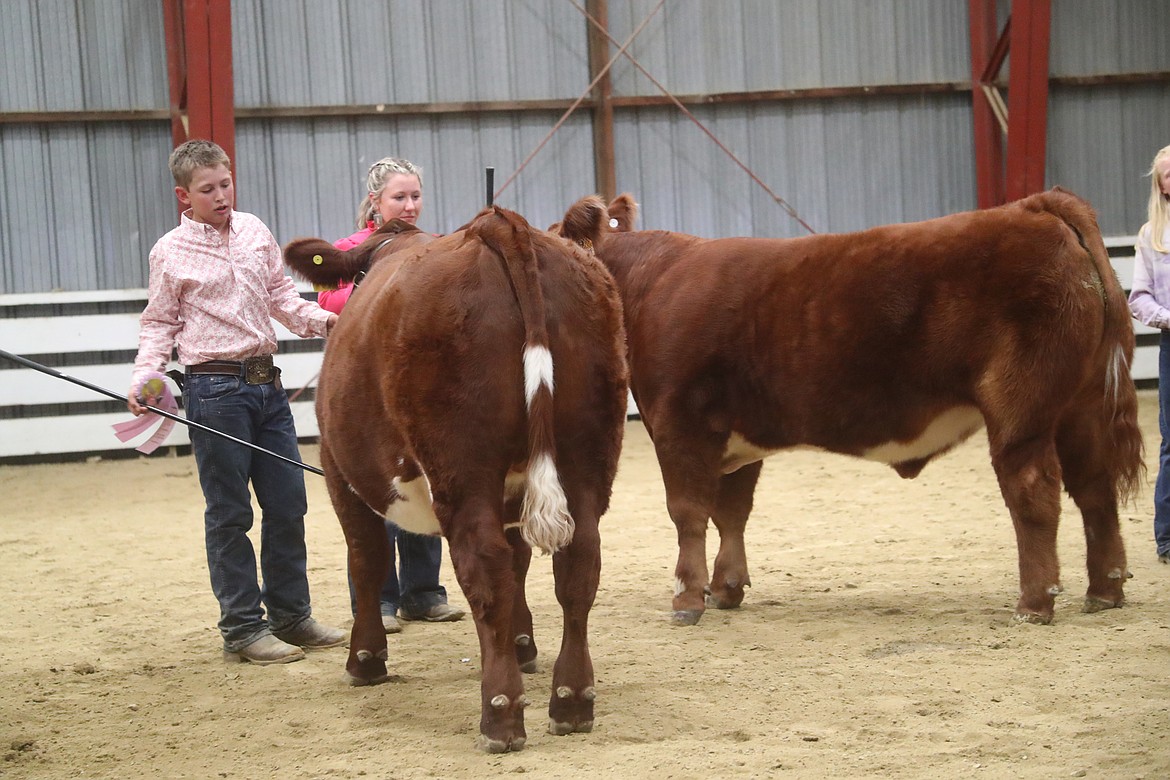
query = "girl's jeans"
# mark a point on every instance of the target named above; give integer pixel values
(413, 583)
(1162, 485)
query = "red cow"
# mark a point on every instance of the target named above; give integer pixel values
(437, 411)
(893, 344)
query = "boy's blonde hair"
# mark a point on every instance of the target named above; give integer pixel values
(195, 154)
(376, 181)
(1158, 212)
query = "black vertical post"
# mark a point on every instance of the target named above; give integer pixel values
(491, 176)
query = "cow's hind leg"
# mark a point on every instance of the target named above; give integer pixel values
(690, 496)
(1029, 478)
(732, 507)
(1081, 445)
(522, 631)
(576, 570)
(482, 559)
(369, 561)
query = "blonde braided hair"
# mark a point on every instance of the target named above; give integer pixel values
(376, 181)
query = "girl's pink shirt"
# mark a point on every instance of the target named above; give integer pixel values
(335, 300)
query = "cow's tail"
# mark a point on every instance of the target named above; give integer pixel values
(544, 516)
(1124, 454)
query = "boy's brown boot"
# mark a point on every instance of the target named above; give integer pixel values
(313, 635)
(265, 650)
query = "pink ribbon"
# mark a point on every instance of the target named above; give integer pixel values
(125, 431)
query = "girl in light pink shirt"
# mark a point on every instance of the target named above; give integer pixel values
(1150, 303)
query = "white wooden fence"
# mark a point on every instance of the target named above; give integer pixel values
(67, 418)
(44, 418)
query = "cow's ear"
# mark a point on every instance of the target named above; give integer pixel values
(316, 261)
(584, 221)
(623, 212)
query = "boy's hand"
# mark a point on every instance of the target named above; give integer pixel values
(148, 393)
(132, 404)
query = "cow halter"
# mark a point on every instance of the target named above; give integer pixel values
(360, 275)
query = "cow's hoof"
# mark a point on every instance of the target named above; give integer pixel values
(1096, 604)
(561, 729)
(571, 711)
(489, 745)
(1032, 617)
(358, 682)
(366, 668)
(686, 617)
(529, 667)
(726, 592)
(727, 600)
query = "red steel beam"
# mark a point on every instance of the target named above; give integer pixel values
(198, 75)
(1028, 98)
(199, 71)
(603, 144)
(989, 189)
(176, 69)
(998, 177)
(219, 47)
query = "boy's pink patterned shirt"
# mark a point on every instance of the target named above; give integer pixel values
(213, 298)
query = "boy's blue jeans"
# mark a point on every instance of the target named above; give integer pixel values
(413, 583)
(1162, 485)
(259, 414)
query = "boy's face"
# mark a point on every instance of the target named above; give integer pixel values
(210, 196)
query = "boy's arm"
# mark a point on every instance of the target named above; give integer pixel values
(285, 304)
(158, 326)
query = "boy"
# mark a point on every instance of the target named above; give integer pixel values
(214, 282)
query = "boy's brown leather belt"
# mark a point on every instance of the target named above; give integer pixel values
(254, 370)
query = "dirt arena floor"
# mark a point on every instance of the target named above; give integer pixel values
(876, 642)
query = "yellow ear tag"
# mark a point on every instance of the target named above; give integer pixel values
(317, 259)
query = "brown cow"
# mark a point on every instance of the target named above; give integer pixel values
(437, 411)
(893, 344)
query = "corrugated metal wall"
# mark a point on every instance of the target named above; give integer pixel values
(81, 203)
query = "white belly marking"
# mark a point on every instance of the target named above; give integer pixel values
(945, 431)
(740, 452)
(950, 428)
(414, 512)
